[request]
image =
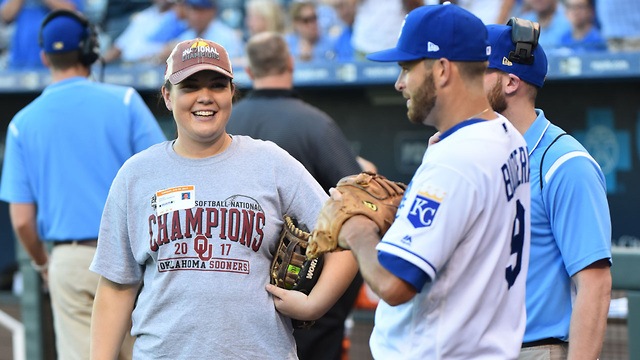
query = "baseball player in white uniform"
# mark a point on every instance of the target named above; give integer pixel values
(451, 270)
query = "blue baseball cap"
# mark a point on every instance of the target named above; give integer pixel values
(501, 45)
(201, 3)
(63, 33)
(439, 31)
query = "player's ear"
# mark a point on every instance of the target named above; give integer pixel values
(512, 84)
(44, 59)
(442, 71)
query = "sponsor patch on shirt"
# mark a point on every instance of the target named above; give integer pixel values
(424, 208)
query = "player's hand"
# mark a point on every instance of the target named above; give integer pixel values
(290, 303)
(356, 225)
(434, 138)
(356, 230)
(337, 195)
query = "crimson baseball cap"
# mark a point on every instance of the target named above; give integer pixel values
(501, 45)
(191, 56)
(439, 31)
(63, 33)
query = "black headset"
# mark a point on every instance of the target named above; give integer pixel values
(525, 34)
(89, 46)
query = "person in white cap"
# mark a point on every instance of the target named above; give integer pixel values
(200, 262)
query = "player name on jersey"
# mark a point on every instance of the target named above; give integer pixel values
(515, 171)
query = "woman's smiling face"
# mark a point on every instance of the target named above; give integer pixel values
(201, 106)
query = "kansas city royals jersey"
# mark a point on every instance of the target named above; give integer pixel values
(461, 238)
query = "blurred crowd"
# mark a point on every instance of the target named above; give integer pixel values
(145, 31)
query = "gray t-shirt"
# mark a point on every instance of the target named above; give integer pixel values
(204, 268)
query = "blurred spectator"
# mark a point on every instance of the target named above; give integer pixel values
(519, 7)
(307, 42)
(6, 32)
(620, 22)
(327, 17)
(263, 15)
(489, 11)
(139, 41)
(201, 16)
(377, 25)
(584, 35)
(203, 22)
(346, 10)
(172, 25)
(550, 14)
(409, 5)
(27, 15)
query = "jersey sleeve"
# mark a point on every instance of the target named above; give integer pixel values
(576, 201)
(114, 258)
(436, 211)
(15, 186)
(146, 130)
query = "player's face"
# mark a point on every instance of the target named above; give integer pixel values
(495, 93)
(201, 106)
(416, 84)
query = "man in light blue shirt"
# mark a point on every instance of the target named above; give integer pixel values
(569, 280)
(63, 150)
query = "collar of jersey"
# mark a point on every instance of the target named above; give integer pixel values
(536, 131)
(459, 126)
(64, 83)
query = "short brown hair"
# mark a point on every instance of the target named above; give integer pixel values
(268, 54)
(470, 70)
(64, 60)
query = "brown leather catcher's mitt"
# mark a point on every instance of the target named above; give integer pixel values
(290, 268)
(368, 194)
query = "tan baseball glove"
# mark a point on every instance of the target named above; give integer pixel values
(368, 194)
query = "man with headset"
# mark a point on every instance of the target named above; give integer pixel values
(569, 281)
(62, 152)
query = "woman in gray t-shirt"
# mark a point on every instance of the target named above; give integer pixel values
(190, 228)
